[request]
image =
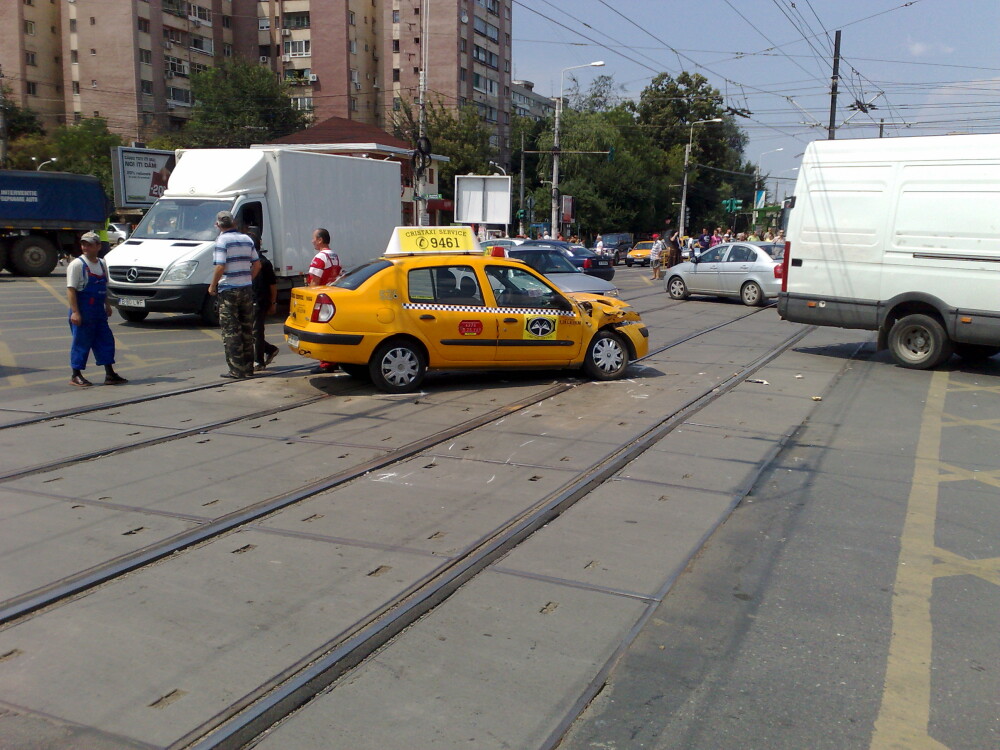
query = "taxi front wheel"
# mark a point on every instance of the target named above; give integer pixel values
(607, 356)
(397, 367)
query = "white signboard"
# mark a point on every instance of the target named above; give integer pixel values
(482, 199)
(140, 175)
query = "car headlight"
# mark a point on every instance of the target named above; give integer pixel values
(181, 271)
(612, 293)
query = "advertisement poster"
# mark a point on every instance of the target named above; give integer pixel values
(140, 175)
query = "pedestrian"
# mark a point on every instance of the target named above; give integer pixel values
(599, 246)
(265, 287)
(674, 249)
(87, 294)
(324, 270)
(716, 237)
(325, 266)
(704, 240)
(236, 263)
(656, 256)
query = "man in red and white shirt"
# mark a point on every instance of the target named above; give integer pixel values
(325, 267)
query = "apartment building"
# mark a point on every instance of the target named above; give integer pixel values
(128, 61)
(526, 103)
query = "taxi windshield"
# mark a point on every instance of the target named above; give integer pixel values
(359, 275)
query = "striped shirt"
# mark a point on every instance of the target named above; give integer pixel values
(325, 267)
(236, 252)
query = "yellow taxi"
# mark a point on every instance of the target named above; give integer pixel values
(434, 300)
(639, 254)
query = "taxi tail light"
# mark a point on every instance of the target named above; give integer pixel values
(323, 309)
(784, 266)
(587, 263)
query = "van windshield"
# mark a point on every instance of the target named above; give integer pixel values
(181, 220)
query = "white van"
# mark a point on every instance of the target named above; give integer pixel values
(166, 264)
(899, 236)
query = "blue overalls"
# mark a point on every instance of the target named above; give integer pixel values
(93, 331)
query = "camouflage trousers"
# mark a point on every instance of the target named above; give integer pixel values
(236, 312)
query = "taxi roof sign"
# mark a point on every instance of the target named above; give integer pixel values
(413, 240)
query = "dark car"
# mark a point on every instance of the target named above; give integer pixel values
(580, 256)
(616, 246)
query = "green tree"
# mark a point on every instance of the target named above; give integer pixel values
(238, 104)
(85, 148)
(461, 136)
(20, 121)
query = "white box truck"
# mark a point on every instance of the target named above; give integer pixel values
(166, 264)
(899, 236)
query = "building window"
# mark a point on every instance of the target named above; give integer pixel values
(93, 21)
(29, 2)
(146, 87)
(395, 75)
(29, 28)
(302, 103)
(31, 88)
(397, 103)
(354, 46)
(350, 18)
(93, 52)
(227, 49)
(395, 45)
(196, 12)
(76, 87)
(144, 25)
(463, 45)
(93, 83)
(146, 56)
(297, 48)
(202, 44)
(74, 56)
(263, 24)
(29, 58)
(462, 74)
(354, 104)
(299, 20)
(178, 96)
(174, 66)
(486, 29)
(227, 22)
(395, 16)
(72, 25)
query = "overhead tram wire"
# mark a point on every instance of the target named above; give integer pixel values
(773, 44)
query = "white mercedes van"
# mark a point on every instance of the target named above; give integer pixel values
(899, 236)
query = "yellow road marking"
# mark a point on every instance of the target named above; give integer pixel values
(48, 287)
(904, 715)
(7, 359)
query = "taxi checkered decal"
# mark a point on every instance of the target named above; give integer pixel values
(483, 308)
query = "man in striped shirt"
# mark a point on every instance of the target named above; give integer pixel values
(325, 267)
(236, 263)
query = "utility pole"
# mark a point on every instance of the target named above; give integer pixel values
(422, 218)
(832, 131)
(881, 127)
(3, 125)
(520, 204)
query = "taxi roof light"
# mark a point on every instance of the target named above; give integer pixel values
(323, 309)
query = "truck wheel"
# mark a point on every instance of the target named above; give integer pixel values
(210, 311)
(919, 342)
(33, 256)
(397, 367)
(607, 356)
(976, 352)
(676, 288)
(133, 316)
(3, 254)
(751, 294)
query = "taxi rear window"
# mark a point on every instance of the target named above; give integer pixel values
(358, 276)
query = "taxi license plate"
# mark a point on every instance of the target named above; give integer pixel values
(131, 302)
(293, 340)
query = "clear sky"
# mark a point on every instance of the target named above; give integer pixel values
(929, 66)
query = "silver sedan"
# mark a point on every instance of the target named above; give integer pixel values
(749, 271)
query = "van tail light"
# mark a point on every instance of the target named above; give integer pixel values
(587, 263)
(323, 309)
(784, 266)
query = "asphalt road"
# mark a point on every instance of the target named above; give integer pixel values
(810, 561)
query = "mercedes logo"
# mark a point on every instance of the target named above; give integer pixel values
(132, 274)
(540, 327)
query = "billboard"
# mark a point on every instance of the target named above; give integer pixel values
(140, 175)
(482, 199)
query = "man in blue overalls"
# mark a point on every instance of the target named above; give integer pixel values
(87, 292)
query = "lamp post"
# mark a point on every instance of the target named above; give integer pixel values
(47, 161)
(687, 160)
(506, 226)
(756, 181)
(555, 146)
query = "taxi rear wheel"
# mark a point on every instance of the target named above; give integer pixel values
(607, 356)
(397, 367)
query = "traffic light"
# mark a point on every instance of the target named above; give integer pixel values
(611, 153)
(520, 213)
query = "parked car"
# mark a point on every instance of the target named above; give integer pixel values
(616, 246)
(749, 271)
(558, 269)
(580, 256)
(118, 232)
(639, 255)
(501, 242)
(393, 318)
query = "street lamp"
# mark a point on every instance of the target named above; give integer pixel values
(687, 160)
(47, 161)
(494, 164)
(555, 145)
(756, 181)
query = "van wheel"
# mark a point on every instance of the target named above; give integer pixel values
(133, 316)
(751, 294)
(607, 356)
(210, 311)
(676, 288)
(976, 352)
(397, 367)
(919, 342)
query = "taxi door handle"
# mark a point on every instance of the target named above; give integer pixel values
(427, 317)
(510, 320)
